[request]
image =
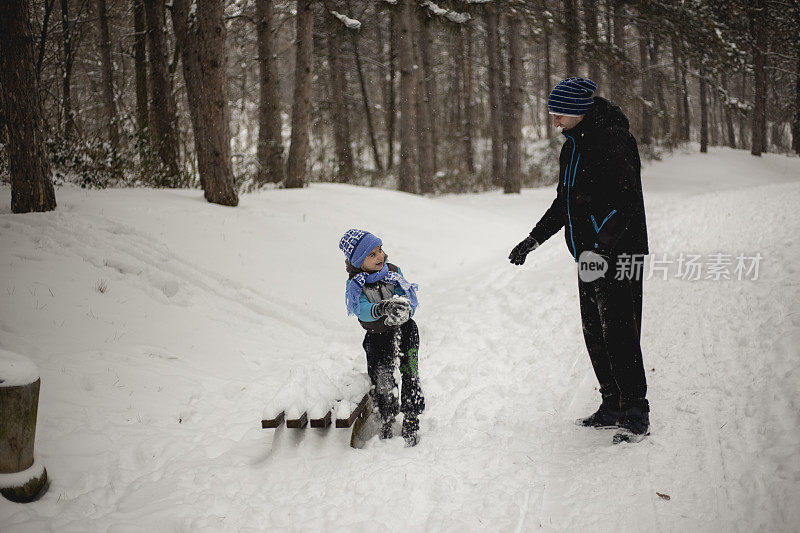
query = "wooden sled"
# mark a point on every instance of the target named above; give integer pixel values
(324, 403)
(324, 421)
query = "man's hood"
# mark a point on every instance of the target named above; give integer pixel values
(603, 114)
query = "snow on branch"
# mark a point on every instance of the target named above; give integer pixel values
(452, 16)
(351, 24)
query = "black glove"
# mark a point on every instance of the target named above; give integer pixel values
(520, 251)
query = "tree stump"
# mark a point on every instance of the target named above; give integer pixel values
(21, 477)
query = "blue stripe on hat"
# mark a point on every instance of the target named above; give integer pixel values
(572, 97)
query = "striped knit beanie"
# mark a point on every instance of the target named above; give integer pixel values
(572, 97)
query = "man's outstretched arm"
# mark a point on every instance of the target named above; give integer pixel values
(551, 222)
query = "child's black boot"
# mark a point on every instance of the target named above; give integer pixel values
(410, 428)
(386, 428)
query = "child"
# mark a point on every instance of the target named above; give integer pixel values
(384, 302)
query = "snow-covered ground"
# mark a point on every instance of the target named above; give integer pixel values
(163, 326)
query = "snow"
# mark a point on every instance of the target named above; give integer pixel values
(453, 16)
(153, 390)
(347, 21)
(16, 370)
(20, 479)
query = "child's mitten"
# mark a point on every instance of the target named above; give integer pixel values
(397, 310)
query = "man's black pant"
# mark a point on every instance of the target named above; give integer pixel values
(611, 311)
(381, 351)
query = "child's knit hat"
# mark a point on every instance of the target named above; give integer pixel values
(357, 244)
(572, 97)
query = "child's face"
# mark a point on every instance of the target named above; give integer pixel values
(374, 261)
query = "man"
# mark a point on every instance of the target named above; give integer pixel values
(599, 203)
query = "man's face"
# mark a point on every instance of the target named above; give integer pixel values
(564, 122)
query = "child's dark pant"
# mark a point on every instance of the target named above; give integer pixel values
(380, 349)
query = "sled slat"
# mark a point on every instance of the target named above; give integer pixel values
(273, 422)
(347, 422)
(297, 423)
(323, 422)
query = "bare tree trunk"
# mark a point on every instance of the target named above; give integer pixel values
(31, 187)
(728, 115)
(548, 79)
(469, 152)
(513, 177)
(66, 98)
(405, 48)
(796, 120)
(495, 91)
(457, 87)
(742, 115)
(389, 104)
(646, 136)
(107, 70)
(703, 113)
(426, 43)
(658, 83)
(301, 103)
(270, 143)
(163, 114)
(140, 66)
(590, 28)
(422, 105)
(776, 136)
(340, 117)
(713, 115)
(48, 8)
(572, 34)
(242, 143)
(677, 133)
(365, 98)
(759, 143)
(686, 133)
(619, 44)
(201, 38)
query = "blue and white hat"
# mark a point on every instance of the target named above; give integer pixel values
(356, 245)
(572, 97)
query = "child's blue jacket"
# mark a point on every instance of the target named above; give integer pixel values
(367, 310)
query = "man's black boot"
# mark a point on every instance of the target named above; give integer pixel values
(607, 416)
(635, 424)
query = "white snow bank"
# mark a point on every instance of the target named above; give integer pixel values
(156, 385)
(16, 370)
(19, 479)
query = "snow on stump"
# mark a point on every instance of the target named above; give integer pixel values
(22, 478)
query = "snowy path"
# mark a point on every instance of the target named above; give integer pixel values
(152, 391)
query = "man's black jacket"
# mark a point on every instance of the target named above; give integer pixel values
(599, 195)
